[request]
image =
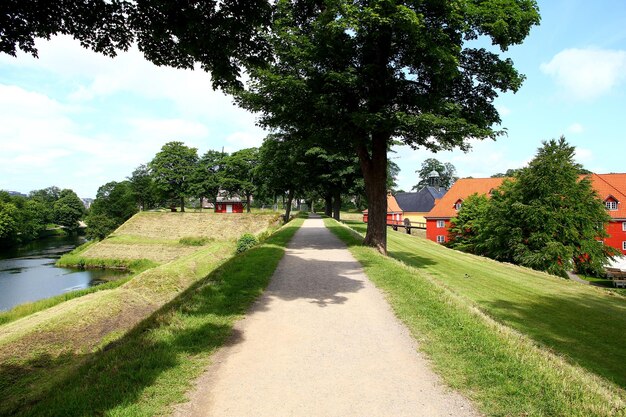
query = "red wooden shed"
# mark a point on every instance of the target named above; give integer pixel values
(229, 207)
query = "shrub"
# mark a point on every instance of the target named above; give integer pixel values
(193, 240)
(245, 242)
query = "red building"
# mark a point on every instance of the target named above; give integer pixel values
(229, 207)
(438, 219)
(611, 188)
(394, 212)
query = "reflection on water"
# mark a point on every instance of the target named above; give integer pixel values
(27, 272)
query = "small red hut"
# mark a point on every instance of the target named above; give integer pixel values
(229, 207)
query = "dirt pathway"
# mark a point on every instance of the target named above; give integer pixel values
(321, 341)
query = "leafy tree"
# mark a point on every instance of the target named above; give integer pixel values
(281, 168)
(68, 210)
(143, 188)
(510, 173)
(8, 222)
(446, 171)
(115, 200)
(466, 226)
(173, 168)
(239, 173)
(220, 36)
(207, 178)
(362, 73)
(548, 218)
(100, 226)
(33, 217)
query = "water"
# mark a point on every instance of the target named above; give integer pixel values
(27, 272)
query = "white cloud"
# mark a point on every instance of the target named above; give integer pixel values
(583, 155)
(576, 128)
(585, 74)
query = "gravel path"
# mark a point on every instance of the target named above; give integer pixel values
(321, 341)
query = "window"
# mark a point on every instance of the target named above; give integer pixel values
(623, 243)
(442, 239)
(623, 226)
(611, 205)
(441, 224)
(457, 206)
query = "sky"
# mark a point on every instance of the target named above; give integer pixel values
(76, 119)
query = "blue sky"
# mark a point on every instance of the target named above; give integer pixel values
(75, 119)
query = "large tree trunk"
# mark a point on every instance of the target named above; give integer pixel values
(328, 204)
(182, 204)
(288, 206)
(248, 202)
(374, 168)
(336, 204)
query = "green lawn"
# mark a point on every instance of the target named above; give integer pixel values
(148, 370)
(586, 325)
(435, 292)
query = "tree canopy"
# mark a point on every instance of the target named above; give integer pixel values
(354, 75)
(446, 171)
(548, 218)
(172, 169)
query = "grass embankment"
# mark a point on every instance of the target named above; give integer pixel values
(505, 372)
(38, 351)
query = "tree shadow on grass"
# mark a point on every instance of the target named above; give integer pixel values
(131, 370)
(587, 330)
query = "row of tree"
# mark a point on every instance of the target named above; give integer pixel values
(26, 218)
(351, 77)
(546, 218)
(280, 169)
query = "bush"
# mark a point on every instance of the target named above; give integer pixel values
(245, 242)
(193, 240)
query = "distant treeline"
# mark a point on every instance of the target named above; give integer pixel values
(26, 218)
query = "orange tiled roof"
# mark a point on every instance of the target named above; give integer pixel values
(612, 185)
(460, 190)
(605, 184)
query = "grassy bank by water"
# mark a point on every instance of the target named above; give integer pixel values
(145, 371)
(504, 371)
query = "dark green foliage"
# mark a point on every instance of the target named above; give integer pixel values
(68, 210)
(220, 36)
(239, 173)
(143, 187)
(193, 241)
(356, 76)
(466, 226)
(548, 218)
(445, 170)
(100, 226)
(208, 175)
(245, 242)
(172, 169)
(8, 221)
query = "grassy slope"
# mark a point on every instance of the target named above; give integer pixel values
(504, 372)
(585, 324)
(149, 369)
(52, 342)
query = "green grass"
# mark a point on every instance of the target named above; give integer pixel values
(149, 369)
(504, 372)
(584, 324)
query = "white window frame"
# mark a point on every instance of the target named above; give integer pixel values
(611, 205)
(458, 205)
(623, 226)
(442, 239)
(441, 224)
(624, 245)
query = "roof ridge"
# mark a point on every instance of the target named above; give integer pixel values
(609, 184)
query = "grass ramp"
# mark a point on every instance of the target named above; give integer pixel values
(146, 371)
(503, 371)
